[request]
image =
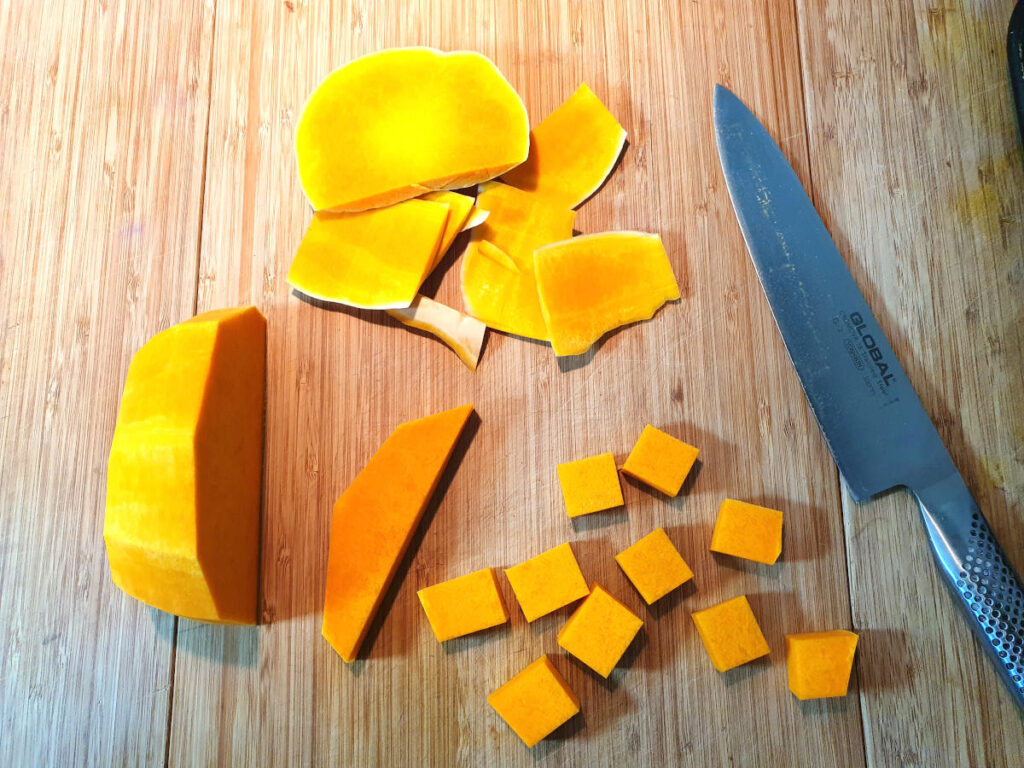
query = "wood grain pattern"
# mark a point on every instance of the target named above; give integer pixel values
(149, 173)
(917, 170)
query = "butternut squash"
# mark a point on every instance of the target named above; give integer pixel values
(593, 283)
(572, 150)
(375, 259)
(518, 223)
(184, 475)
(464, 334)
(397, 123)
(460, 207)
(375, 518)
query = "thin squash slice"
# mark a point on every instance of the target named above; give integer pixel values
(375, 518)
(519, 222)
(464, 334)
(185, 470)
(397, 123)
(477, 217)
(374, 259)
(460, 208)
(572, 150)
(593, 283)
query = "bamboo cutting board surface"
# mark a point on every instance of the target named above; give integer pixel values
(148, 173)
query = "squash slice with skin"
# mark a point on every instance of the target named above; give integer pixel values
(460, 208)
(375, 519)
(572, 150)
(182, 522)
(592, 284)
(476, 218)
(464, 334)
(397, 123)
(518, 223)
(375, 259)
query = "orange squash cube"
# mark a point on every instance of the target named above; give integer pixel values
(464, 605)
(654, 565)
(748, 531)
(590, 485)
(535, 702)
(600, 631)
(660, 461)
(819, 663)
(730, 633)
(547, 582)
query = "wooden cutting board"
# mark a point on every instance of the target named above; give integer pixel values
(148, 173)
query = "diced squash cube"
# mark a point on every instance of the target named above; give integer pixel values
(654, 565)
(590, 485)
(819, 663)
(748, 531)
(535, 702)
(660, 460)
(730, 633)
(464, 605)
(547, 582)
(600, 631)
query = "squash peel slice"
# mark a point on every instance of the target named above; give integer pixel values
(460, 208)
(572, 150)
(464, 334)
(498, 285)
(396, 123)
(592, 284)
(374, 259)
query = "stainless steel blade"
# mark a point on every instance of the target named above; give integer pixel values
(873, 421)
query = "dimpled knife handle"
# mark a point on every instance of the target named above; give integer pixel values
(979, 573)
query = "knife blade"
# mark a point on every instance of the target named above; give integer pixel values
(873, 421)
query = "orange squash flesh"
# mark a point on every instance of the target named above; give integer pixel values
(572, 150)
(460, 208)
(185, 468)
(375, 259)
(593, 283)
(518, 223)
(375, 518)
(464, 334)
(397, 123)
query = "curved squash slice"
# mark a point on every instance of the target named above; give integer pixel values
(464, 334)
(182, 522)
(572, 150)
(506, 298)
(460, 207)
(394, 124)
(476, 218)
(375, 259)
(591, 284)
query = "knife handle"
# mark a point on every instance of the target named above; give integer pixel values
(979, 573)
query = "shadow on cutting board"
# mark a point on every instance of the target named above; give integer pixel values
(230, 644)
(399, 643)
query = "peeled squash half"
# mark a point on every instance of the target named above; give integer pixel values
(184, 475)
(374, 259)
(593, 283)
(572, 150)
(395, 124)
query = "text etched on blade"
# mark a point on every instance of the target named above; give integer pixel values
(863, 350)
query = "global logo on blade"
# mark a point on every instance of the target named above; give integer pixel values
(871, 347)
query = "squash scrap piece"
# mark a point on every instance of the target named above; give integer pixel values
(184, 476)
(375, 259)
(397, 123)
(477, 217)
(464, 334)
(375, 518)
(518, 223)
(818, 664)
(593, 283)
(460, 207)
(572, 150)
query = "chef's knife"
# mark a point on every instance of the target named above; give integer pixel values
(873, 421)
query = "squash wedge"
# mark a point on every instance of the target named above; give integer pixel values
(374, 521)
(464, 334)
(397, 123)
(519, 222)
(460, 208)
(572, 150)
(374, 259)
(593, 283)
(182, 524)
